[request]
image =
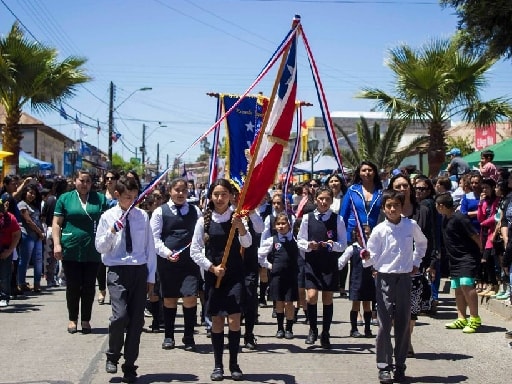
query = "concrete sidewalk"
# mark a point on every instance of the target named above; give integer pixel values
(35, 348)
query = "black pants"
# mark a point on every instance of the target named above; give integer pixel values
(102, 277)
(127, 286)
(250, 303)
(80, 288)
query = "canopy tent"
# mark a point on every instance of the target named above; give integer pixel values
(28, 164)
(502, 154)
(326, 164)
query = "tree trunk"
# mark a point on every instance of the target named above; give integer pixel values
(436, 149)
(11, 138)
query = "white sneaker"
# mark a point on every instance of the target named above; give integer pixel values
(3, 303)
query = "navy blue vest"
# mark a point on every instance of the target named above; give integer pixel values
(177, 232)
(218, 238)
(284, 256)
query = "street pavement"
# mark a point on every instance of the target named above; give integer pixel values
(35, 348)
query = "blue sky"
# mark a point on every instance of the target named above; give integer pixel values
(185, 48)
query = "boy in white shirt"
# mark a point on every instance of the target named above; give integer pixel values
(395, 249)
(128, 250)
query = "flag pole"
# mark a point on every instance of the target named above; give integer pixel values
(243, 192)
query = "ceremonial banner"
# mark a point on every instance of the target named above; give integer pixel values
(242, 126)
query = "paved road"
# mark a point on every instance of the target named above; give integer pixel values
(35, 348)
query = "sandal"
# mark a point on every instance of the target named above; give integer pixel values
(101, 297)
(86, 327)
(72, 327)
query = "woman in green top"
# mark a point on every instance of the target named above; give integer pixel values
(74, 224)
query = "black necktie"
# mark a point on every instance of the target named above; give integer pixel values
(128, 239)
(178, 209)
(321, 216)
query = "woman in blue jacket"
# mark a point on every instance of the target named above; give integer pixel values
(363, 196)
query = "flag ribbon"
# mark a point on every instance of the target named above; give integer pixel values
(359, 227)
(292, 36)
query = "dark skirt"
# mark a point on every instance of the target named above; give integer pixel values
(322, 276)
(362, 284)
(225, 300)
(284, 287)
(177, 281)
(301, 275)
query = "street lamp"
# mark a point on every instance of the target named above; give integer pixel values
(111, 111)
(312, 148)
(72, 156)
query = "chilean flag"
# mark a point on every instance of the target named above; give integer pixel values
(276, 134)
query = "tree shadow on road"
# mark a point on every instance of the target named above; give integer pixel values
(336, 348)
(161, 378)
(437, 379)
(270, 378)
(442, 356)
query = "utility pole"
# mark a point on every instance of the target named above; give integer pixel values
(167, 161)
(143, 151)
(110, 122)
(157, 158)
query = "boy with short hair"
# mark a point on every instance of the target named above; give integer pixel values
(128, 249)
(464, 249)
(395, 249)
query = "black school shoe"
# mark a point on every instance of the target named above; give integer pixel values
(130, 373)
(111, 367)
(189, 342)
(236, 372)
(399, 374)
(312, 336)
(250, 342)
(325, 341)
(168, 343)
(217, 374)
(385, 375)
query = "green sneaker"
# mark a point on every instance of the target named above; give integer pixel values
(457, 324)
(473, 324)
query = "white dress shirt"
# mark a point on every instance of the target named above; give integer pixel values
(396, 248)
(112, 246)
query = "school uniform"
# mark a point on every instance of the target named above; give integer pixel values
(251, 275)
(172, 227)
(394, 250)
(227, 299)
(131, 262)
(362, 283)
(281, 253)
(361, 288)
(321, 265)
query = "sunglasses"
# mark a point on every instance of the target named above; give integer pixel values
(110, 178)
(421, 189)
(313, 185)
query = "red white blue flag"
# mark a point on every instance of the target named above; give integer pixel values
(268, 149)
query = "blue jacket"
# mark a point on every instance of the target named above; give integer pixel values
(370, 217)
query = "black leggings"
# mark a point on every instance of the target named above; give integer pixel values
(80, 286)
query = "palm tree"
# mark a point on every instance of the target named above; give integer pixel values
(434, 84)
(31, 74)
(382, 150)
